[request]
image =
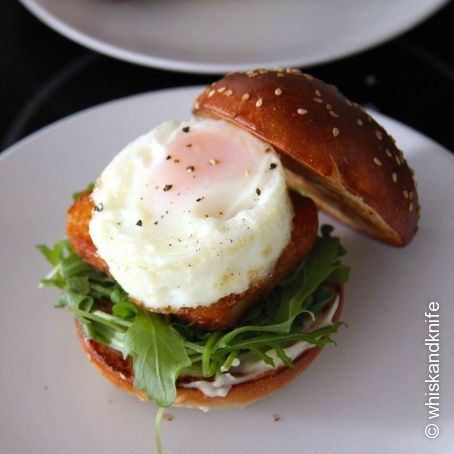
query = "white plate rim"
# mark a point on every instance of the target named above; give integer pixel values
(218, 68)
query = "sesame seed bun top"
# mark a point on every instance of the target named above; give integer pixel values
(331, 147)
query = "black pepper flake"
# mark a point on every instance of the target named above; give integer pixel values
(200, 199)
(190, 169)
(139, 223)
(167, 187)
(186, 129)
(189, 145)
(168, 157)
(258, 191)
(176, 161)
(156, 223)
(273, 166)
(99, 207)
(141, 198)
(267, 150)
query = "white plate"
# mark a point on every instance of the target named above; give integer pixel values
(364, 395)
(216, 36)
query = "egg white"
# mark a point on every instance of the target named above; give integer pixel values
(176, 237)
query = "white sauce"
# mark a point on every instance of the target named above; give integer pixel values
(250, 368)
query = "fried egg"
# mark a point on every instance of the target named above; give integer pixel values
(190, 213)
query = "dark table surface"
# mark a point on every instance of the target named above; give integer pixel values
(45, 77)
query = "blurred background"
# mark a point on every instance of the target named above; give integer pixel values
(46, 76)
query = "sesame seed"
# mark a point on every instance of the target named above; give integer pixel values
(359, 122)
(308, 76)
(228, 93)
(319, 100)
(394, 175)
(280, 74)
(388, 153)
(379, 134)
(301, 111)
(252, 74)
(263, 71)
(213, 161)
(377, 161)
(259, 102)
(278, 92)
(398, 160)
(335, 132)
(329, 106)
(333, 114)
(211, 93)
(410, 207)
(220, 90)
(317, 93)
(190, 169)
(348, 102)
(246, 96)
(196, 105)
(247, 173)
(405, 193)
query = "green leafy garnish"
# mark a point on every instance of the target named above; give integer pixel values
(159, 355)
(89, 188)
(163, 348)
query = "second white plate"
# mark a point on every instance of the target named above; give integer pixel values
(217, 36)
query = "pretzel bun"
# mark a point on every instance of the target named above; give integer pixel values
(333, 149)
(119, 372)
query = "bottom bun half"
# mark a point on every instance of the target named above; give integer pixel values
(119, 371)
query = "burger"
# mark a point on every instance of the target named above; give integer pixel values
(195, 266)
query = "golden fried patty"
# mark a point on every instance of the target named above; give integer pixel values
(228, 310)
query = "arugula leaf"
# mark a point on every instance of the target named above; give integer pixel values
(159, 356)
(322, 263)
(162, 348)
(76, 195)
